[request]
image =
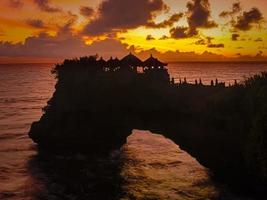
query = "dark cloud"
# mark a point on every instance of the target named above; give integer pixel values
(209, 39)
(166, 23)
(71, 19)
(259, 54)
(198, 16)
(86, 11)
(235, 36)
(208, 42)
(236, 8)
(177, 56)
(215, 45)
(204, 41)
(258, 40)
(46, 46)
(64, 45)
(201, 42)
(118, 15)
(245, 22)
(44, 5)
(183, 32)
(164, 37)
(36, 23)
(15, 3)
(150, 37)
(179, 32)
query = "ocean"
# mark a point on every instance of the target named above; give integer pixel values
(155, 167)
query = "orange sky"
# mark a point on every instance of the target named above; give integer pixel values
(54, 29)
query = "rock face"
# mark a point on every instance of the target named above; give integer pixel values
(94, 107)
(93, 110)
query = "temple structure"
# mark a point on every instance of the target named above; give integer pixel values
(151, 68)
(131, 62)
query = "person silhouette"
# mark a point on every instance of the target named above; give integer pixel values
(212, 83)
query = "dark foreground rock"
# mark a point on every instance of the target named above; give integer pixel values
(94, 109)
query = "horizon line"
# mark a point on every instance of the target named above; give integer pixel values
(170, 62)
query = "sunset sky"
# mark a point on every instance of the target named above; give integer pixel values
(174, 30)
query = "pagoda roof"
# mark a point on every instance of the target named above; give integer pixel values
(101, 61)
(131, 60)
(153, 62)
(113, 62)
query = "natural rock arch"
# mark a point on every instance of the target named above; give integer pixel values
(93, 111)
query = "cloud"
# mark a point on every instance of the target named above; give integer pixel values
(247, 19)
(235, 36)
(198, 16)
(259, 40)
(183, 32)
(259, 54)
(236, 8)
(36, 23)
(242, 21)
(150, 37)
(63, 45)
(208, 42)
(215, 45)
(86, 11)
(164, 37)
(178, 56)
(119, 15)
(166, 23)
(212, 45)
(45, 46)
(201, 42)
(209, 39)
(15, 3)
(44, 5)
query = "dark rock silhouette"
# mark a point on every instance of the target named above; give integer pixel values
(97, 103)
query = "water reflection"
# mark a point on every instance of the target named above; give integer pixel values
(74, 177)
(148, 167)
(157, 169)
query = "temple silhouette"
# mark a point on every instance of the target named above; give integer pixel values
(97, 103)
(151, 68)
(131, 63)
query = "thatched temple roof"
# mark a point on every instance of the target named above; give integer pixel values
(153, 62)
(113, 62)
(131, 60)
(102, 62)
